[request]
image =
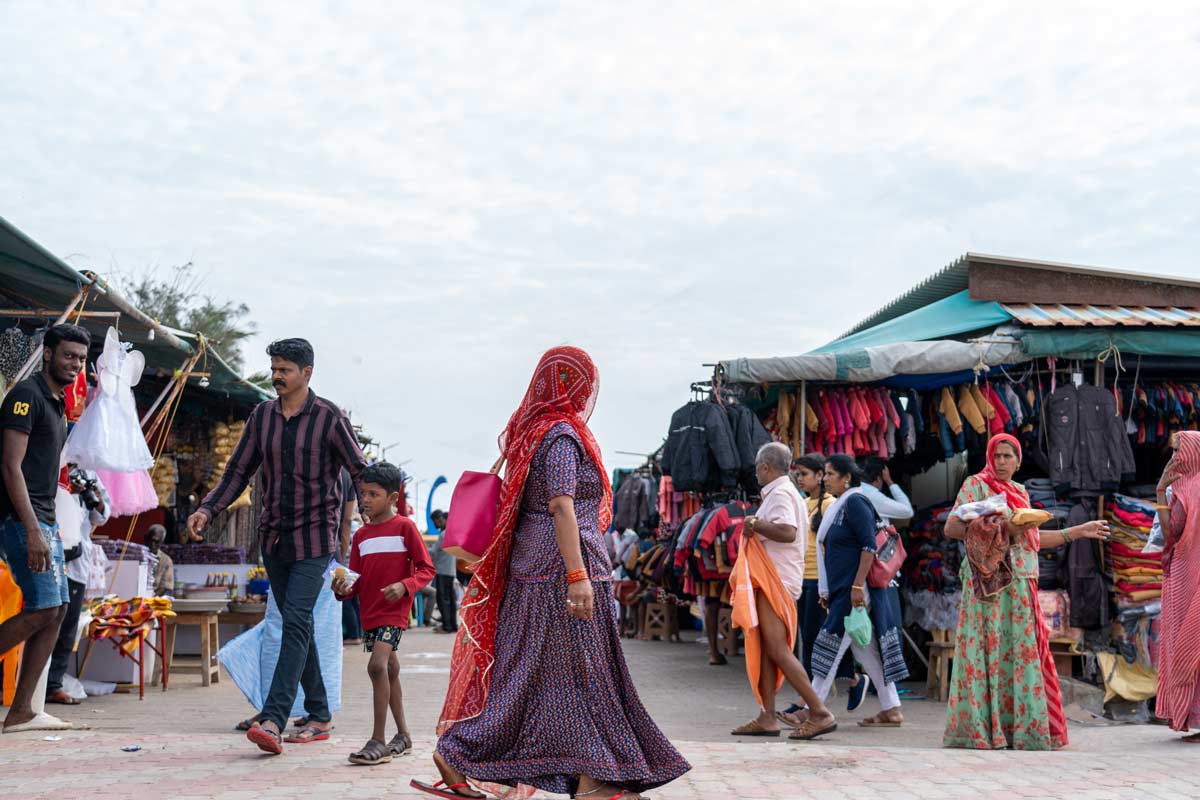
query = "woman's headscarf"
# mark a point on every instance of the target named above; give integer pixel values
(564, 388)
(1183, 475)
(1015, 496)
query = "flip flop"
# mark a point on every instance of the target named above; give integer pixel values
(440, 789)
(42, 722)
(62, 698)
(246, 724)
(267, 741)
(875, 722)
(792, 719)
(752, 728)
(318, 735)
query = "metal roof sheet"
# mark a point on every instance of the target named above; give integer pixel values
(1044, 316)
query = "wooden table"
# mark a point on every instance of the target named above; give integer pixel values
(210, 642)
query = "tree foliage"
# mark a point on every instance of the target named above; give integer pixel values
(178, 301)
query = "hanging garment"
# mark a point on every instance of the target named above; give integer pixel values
(1089, 451)
(748, 436)
(700, 453)
(108, 436)
(970, 410)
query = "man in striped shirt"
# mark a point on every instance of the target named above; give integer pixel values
(301, 442)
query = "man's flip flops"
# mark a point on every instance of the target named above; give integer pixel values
(42, 722)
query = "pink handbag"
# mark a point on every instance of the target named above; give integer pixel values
(473, 510)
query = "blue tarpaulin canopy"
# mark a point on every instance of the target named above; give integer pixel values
(950, 316)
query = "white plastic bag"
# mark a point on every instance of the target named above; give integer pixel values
(996, 504)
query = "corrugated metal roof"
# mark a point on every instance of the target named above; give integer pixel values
(1044, 316)
(954, 278)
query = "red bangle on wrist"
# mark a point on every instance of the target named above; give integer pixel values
(577, 575)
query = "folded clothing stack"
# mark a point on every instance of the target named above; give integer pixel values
(1137, 576)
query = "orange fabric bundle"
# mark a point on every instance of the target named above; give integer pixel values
(754, 571)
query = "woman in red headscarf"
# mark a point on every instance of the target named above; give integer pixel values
(1179, 642)
(1005, 690)
(539, 695)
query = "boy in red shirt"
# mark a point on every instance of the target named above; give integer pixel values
(393, 565)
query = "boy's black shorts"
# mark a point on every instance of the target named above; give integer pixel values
(384, 634)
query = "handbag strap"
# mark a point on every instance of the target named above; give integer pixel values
(495, 470)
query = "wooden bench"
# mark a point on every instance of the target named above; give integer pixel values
(941, 653)
(210, 642)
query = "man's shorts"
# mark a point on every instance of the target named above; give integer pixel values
(384, 634)
(40, 589)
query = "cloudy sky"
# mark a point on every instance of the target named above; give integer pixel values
(434, 193)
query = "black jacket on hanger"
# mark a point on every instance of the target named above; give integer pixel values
(700, 453)
(748, 436)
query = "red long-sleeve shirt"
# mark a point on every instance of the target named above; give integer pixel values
(382, 555)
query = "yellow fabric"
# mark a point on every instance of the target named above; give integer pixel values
(814, 423)
(970, 410)
(784, 417)
(754, 571)
(985, 406)
(950, 410)
(811, 570)
(1132, 682)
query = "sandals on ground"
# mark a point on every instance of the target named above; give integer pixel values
(754, 728)
(373, 752)
(811, 729)
(451, 792)
(308, 734)
(400, 745)
(268, 741)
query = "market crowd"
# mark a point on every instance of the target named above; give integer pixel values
(538, 640)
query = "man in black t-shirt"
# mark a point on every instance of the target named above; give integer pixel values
(33, 430)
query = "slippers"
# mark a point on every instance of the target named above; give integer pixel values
(246, 724)
(315, 735)
(876, 722)
(267, 741)
(440, 789)
(42, 722)
(792, 719)
(753, 728)
(61, 698)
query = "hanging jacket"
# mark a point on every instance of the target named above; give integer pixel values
(1003, 419)
(748, 436)
(1085, 581)
(970, 410)
(632, 503)
(700, 453)
(1088, 450)
(949, 412)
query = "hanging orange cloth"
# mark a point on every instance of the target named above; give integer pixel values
(754, 571)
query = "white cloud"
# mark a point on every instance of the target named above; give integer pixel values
(435, 193)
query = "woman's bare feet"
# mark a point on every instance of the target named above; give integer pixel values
(452, 777)
(590, 789)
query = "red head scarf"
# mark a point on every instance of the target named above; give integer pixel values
(1015, 495)
(563, 389)
(1183, 472)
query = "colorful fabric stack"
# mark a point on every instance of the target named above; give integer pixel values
(1137, 576)
(125, 621)
(932, 589)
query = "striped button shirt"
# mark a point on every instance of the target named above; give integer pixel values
(301, 460)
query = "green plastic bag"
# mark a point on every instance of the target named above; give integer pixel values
(858, 626)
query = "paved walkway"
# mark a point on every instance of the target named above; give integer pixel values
(189, 750)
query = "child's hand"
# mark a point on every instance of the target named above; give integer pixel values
(395, 591)
(340, 587)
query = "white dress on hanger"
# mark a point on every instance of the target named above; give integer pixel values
(108, 437)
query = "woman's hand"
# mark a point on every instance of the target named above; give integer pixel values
(858, 596)
(1096, 529)
(580, 600)
(824, 602)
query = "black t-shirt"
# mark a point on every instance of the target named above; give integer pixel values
(33, 409)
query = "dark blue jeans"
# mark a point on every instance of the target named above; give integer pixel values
(295, 586)
(351, 619)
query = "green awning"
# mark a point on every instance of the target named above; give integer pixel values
(950, 316)
(1091, 342)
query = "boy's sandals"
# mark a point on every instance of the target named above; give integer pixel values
(753, 728)
(308, 734)
(373, 752)
(881, 720)
(400, 745)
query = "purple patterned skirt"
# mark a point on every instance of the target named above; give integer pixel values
(561, 702)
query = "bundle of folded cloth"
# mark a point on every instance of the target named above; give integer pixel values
(1137, 576)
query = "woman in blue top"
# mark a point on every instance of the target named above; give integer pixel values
(846, 549)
